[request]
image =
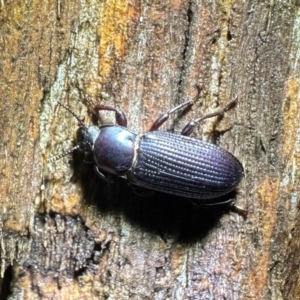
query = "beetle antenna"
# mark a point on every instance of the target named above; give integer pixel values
(55, 158)
(72, 113)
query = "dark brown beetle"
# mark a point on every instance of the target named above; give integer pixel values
(160, 160)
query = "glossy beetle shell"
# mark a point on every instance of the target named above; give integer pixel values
(184, 166)
(114, 149)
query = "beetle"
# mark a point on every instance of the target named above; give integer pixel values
(159, 160)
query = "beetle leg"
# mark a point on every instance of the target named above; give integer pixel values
(120, 116)
(107, 179)
(229, 202)
(164, 117)
(140, 191)
(188, 129)
(242, 212)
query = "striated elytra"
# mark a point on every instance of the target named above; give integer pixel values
(161, 161)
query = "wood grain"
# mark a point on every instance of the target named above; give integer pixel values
(146, 57)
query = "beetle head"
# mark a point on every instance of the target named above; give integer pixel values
(86, 137)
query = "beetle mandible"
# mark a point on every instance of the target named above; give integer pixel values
(159, 160)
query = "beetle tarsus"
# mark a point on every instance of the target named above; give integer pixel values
(240, 211)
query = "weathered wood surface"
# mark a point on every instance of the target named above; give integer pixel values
(83, 239)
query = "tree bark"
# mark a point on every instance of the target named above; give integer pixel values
(65, 234)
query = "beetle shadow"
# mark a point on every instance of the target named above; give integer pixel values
(159, 213)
